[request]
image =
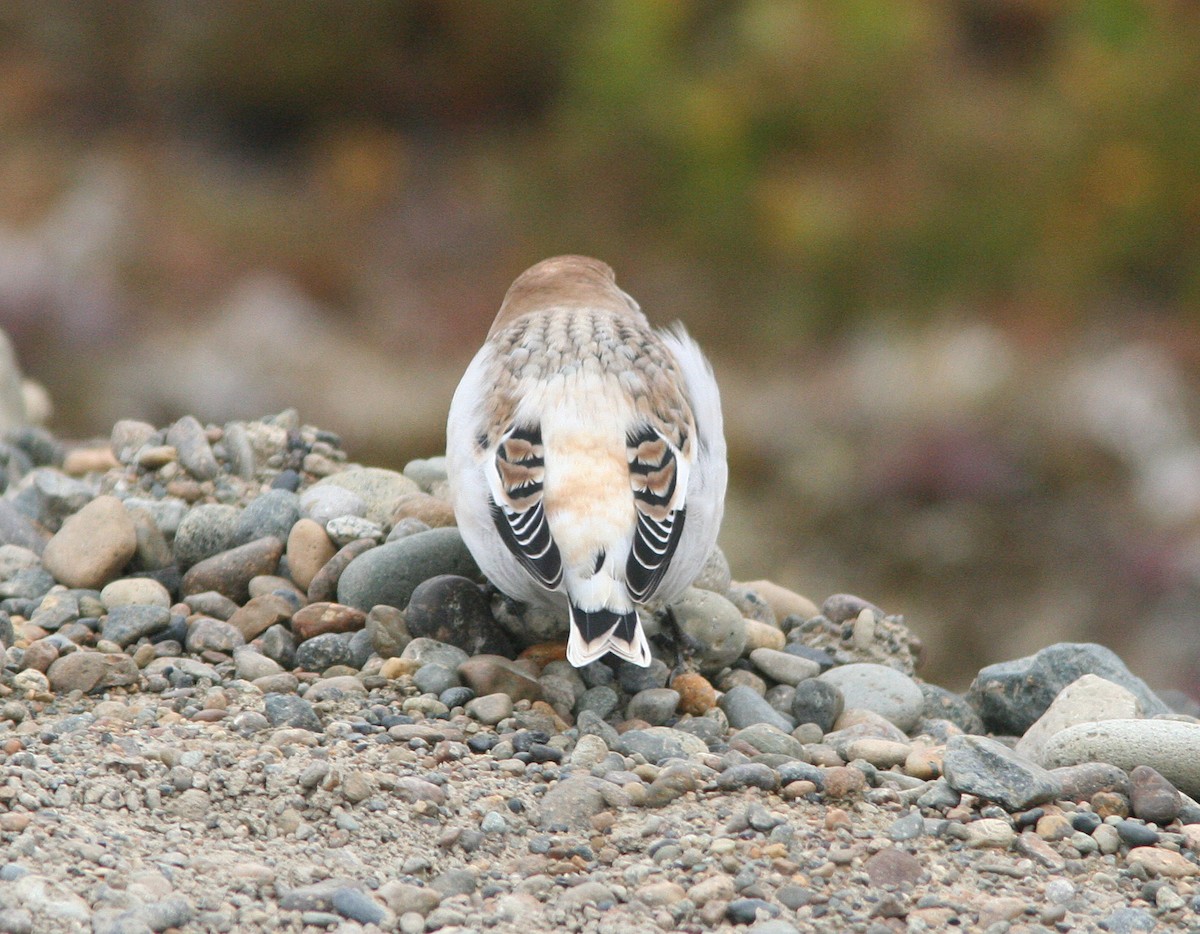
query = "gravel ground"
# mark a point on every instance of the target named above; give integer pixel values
(250, 686)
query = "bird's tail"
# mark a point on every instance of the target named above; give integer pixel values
(595, 632)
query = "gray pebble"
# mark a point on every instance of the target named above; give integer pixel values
(770, 739)
(291, 710)
(784, 666)
(634, 678)
(343, 530)
(909, 827)
(324, 651)
(745, 707)
(434, 678)
(125, 625)
(271, 513)
(980, 766)
(1129, 921)
(391, 572)
(748, 775)
(187, 436)
(206, 530)
(352, 902)
(378, 488)
(817, 701)
(324, 502)
(207, 634)
(715, 625)
(655, 705)
(659, 743)
(889, 693)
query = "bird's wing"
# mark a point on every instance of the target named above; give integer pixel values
(515, 477)
(658, 473)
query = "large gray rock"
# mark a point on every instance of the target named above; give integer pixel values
(983, 767)
(1011, 695)
(389, 573)
(1167, 746)
(890, 693)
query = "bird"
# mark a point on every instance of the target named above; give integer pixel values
(586, 456)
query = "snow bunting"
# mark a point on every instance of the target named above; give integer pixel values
(586, 455)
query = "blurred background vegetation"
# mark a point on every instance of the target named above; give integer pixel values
(945, 256)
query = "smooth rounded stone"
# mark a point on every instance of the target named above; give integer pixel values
(783, 602)
(600, 700)
(713, 624)
(272, 513)
(212, 635)
(490, 709)
(93, 545)
(404, 898)
(909, 827)
(324, 502)
(290, 710)
(135, 591)
(211, 603)
(56, 609)
(767, 738)
(454, 610)
(990, 832)
(231, 571)
(377, 487)
(748, 775)
(494, 674)
(124, 625)
(168, 513)
(1152, 797)
(322, 652)
(40, 655)
(308, 550)
(1011, 695)
(431, 510)
(335, 687)
(15, 558)
(1161, 862)
(127, 438)
(983, 767)
(571, 804)
(783, 666)
(654, 705)
(1088, 699)
(206, 530)
(752, 911)
(780, 696)
(760, 635)
(390, 573)
(239, 450)
(91, 671)
(881, 753)
(697, 696)
(817, 701)
(426, 472)
(324, 585)
(152, 552)
(352, 902)
(188, 437)
(1167, 746)
(659, 743)
(16, 528)
(528, 623)
(941, 704)
(425, 651)
(250, 664)
(260, 614)
(744, 707)
(388, 631)
(320, 618)
(894, 866)
(434, 678)
(634, 678)
(889, 693)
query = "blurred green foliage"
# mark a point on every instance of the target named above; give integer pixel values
(810, 161)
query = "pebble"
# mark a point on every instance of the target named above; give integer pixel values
(324, 502)
(135, 591)
(817, 701)
(1152, 797)
(205, 530)
(378, 488)
(1167, 746)
(324, 617)
(1086, 700)
(308, 550)
(715, 624)
(659, 743)
(188, 437)
(454, 610)
(743, 706)
(389, 573)
(784, 667)
(93, 545)
(1010, 696)
(886, 691)
(654, 705)
(229, 572)
(259, 614)
(127, 623)
(980, 766)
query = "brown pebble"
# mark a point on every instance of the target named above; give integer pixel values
(1054, 827)
(260, 614)
(80, 461)
(308, 550)
(93, 545)
(229, 572)
(836, 817)
(434, 512)
(543, 653)
(397, 667)
(1109, 804)
(783, 602)
(15, 821)
(324, 586)
(893, 866)
(494, 674)
(697, 696)
(40, 655)
(210, 715)
(1152, 797)
(318, 618)
(843, 781)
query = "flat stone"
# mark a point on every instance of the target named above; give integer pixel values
(205, 634)
(389, 573)
(1088, 699)
(743, 707)
(318, 618)
(767, 738)
(1010, 696)
(1168, 746)
(890, 693)
(126, 624)
(983, 767)
(93, 545)
(230, 572)
(494, 674)
(893, 866)
(659, 743)
(91, 671)
(783, 666)
(131, 591)
(1160, 862)
(260, 614)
